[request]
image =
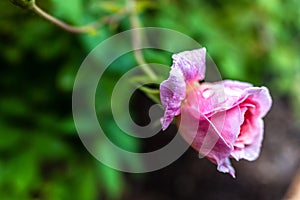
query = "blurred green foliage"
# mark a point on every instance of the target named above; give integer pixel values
(41, 154)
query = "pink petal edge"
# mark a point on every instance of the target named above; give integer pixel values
(187, 66)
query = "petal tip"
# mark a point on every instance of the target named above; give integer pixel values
(191, 63)
(226, 167)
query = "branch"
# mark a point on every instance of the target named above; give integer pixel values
(61, 24)
(90, 28)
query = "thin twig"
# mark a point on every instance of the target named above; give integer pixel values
(90, 28)
(61, 24)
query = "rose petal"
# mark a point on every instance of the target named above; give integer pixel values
(251, 151)
(187, 66)
(262, 98)
(172, 92)
(232, 93)
(226, 167)
(255, 104)
(236, 85)
(191, 63)
(215, 136)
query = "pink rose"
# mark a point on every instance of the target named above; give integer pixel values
(220, 120)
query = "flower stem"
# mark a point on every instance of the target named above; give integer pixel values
(136, 40)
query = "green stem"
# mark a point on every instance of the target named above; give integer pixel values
(136, 40)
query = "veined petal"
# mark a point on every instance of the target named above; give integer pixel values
(188, 66)
(191, 63)
(215, 136)
(251, 151)
(262, 97)
(226, 167)
(172, 92)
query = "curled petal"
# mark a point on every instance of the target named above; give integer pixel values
(239, 92)
(226, 167)
(251, 151)
(187, 66)
(236, 85)
(214, 137)
(261, 98)
(227, 94)
(172, 92)
(191, 63)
